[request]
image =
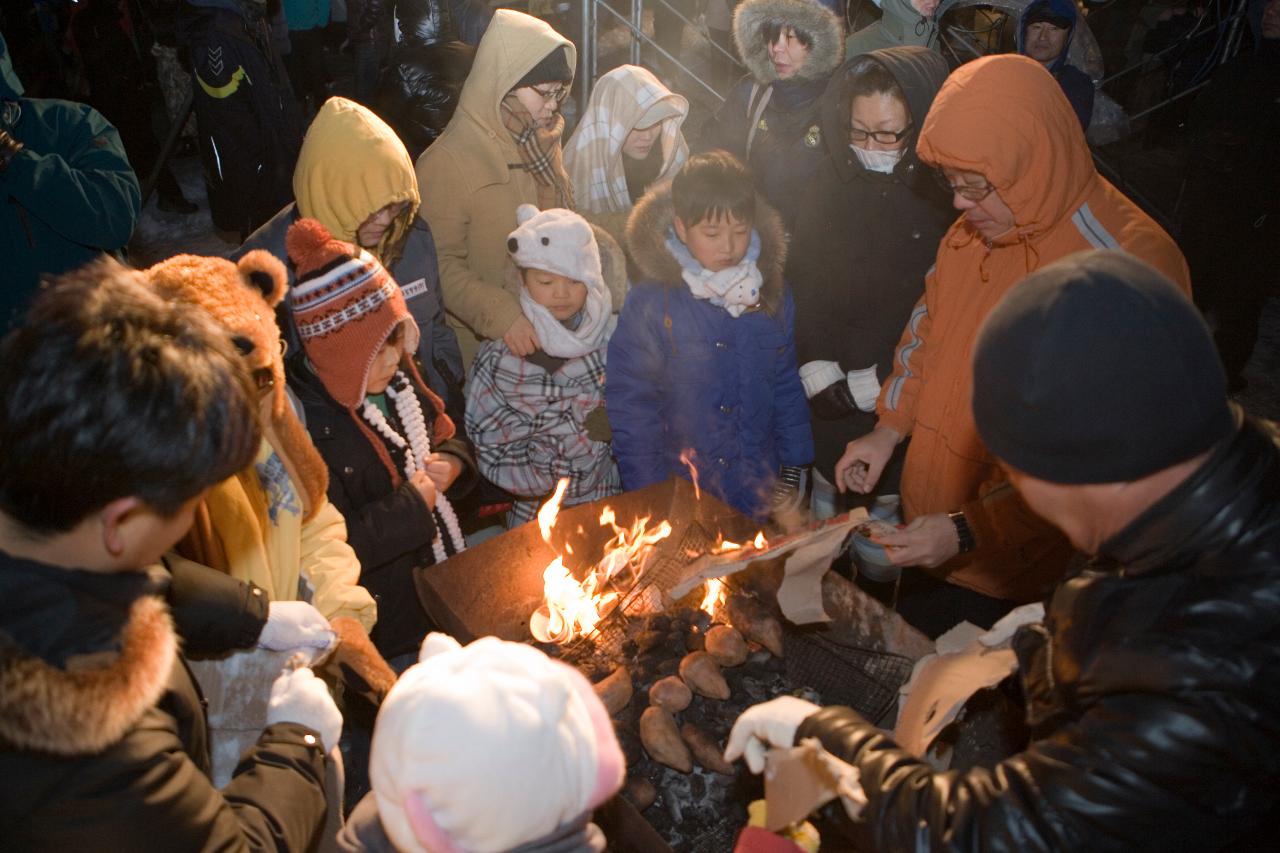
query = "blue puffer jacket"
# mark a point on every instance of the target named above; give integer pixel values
(683, 373)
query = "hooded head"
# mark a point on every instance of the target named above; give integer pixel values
(918, 73)
(242, 297)
(813, 23)
(561, 242)
(540, 751)
(1005, 117)
(514, 44)
(1060, 14)
(627, 98)
(351, 166)
(346, 306)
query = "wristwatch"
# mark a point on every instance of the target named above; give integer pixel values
(963, 531)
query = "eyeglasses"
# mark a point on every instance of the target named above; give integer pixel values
(553, 95)
(884, 137)
(965, 191)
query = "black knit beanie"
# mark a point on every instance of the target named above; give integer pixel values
(1097, 369)
(554, 68)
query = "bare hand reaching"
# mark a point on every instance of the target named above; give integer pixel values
(521, 338)
(928, 541)
(422, 481)
(863, 462)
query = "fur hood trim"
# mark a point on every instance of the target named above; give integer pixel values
(652, 217)
(822, 25)
(83, 710)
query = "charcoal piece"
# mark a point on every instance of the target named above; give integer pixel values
(669, 666)
(695, 640)
(697, 787)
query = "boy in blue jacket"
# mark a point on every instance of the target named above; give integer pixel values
(704, 356)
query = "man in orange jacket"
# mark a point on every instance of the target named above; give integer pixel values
(1012, 151)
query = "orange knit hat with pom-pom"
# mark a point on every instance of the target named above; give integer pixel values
(345, 305)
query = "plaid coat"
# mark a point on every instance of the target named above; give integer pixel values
(529, 427)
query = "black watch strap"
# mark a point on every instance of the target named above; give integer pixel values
(963, 531)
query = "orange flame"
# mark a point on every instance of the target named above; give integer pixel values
(760, 542)
(714, 597)
(686, 456)
(571, 608)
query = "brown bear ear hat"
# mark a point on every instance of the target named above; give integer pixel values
(242, 298)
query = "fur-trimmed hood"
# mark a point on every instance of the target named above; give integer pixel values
(652, 218)
(89, 705)
(826, 30)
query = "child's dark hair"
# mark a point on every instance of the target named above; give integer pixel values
(770, 30)
(868, 76)
(110, 391)
(711, 186)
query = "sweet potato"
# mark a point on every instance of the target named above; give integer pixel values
(706, 751)
(670, 693)
(662, 740)
(701, 672)
(615, 690)
(726, 645)
(755, 622)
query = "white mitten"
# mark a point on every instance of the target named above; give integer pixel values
(818, 375)
(769, 724)
(294, 625)
(297, 696)
(864, 385)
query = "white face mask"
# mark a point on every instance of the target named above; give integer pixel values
(878, 161)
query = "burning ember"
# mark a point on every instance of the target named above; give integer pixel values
(573, 609)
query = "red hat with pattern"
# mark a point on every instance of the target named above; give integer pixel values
(345, 305)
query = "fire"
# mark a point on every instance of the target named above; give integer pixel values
(760, 542)
(570, 608)
(714, 597)
(686, 456)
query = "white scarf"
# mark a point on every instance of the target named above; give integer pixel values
(558, 339)
(734, 289)
(416, 451)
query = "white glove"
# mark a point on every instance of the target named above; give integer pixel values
(297, 696)
(769, 724)
(864, 385)
(295, 624)
(816, 376)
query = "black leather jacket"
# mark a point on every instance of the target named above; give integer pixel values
(1153, 693)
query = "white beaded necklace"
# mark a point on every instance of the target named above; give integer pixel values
(417, 449)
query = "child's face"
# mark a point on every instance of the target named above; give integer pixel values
(717, 243)
(560, 295)
(386, 362)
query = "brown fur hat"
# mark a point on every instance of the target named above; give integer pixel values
(242, 297)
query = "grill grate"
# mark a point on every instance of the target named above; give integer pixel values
(865, 679)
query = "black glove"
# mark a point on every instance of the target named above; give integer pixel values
(834, 402)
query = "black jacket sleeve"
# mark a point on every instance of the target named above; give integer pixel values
(384, 529)
(213, 612)
(1134, 772)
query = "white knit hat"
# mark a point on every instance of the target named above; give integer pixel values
(487, 747)
(562, 242)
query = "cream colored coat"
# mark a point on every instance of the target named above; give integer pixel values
(469, 193)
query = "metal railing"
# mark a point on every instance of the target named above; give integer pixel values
(588, 54)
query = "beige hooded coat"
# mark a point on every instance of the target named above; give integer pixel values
(469, 190)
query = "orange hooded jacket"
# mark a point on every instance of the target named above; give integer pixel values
(1006, 118)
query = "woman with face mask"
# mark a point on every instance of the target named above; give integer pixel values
(865, 236)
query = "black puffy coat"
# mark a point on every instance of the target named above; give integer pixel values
(785, 147)
(863, 242)
(1152, 692)
(390, 528)
(419, 90)
(250, 127)
(103, 738)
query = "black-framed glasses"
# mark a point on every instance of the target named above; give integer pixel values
(552, 94)
(884, 137)
(965, 191)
